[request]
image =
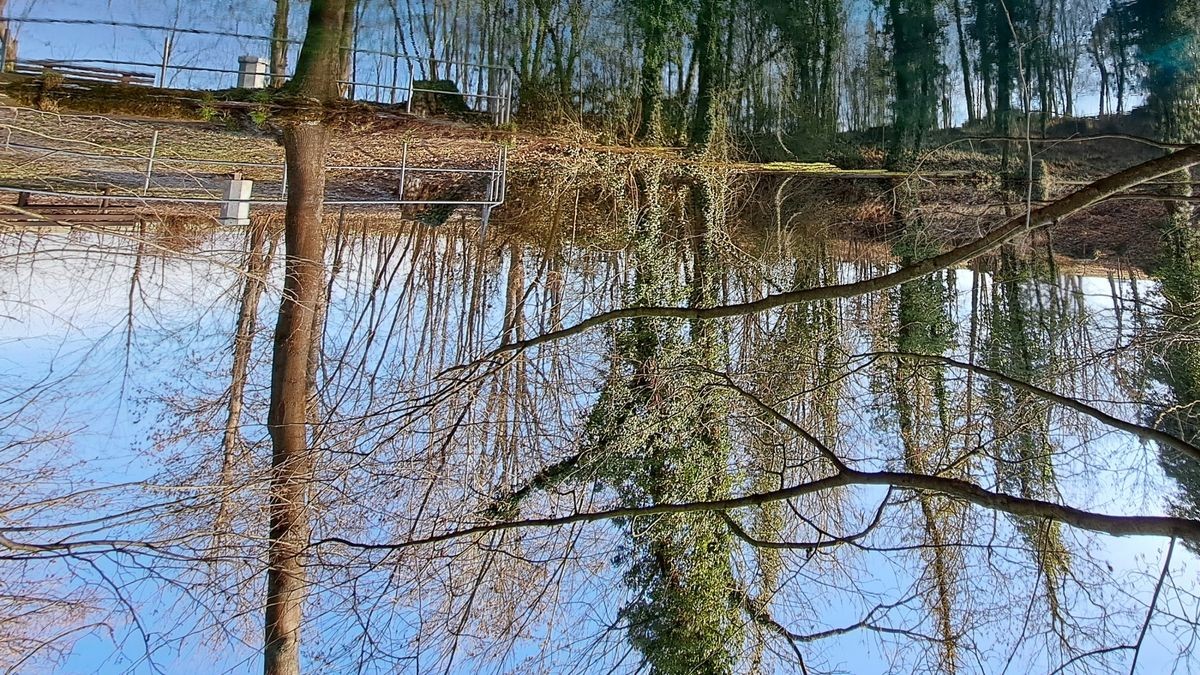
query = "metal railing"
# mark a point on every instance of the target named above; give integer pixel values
(484, 88)
(141, 179)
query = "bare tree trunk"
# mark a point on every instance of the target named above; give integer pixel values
(258, 261)
(9, 40)
(279, 44)
(1099, 59)
(319, 63)
(346, 52)
(292, 459)
(1122, 69)
(965, 61)
(305, 144)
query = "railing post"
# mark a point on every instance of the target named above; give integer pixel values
(408, 103)
(506, 101)
(283, 183)
(488, 75)
(503, 173)
(403, 171)
(494, 188)
(489, 196)
(150, 163)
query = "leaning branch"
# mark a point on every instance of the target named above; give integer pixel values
(1155, 526)
(1076, 201)
(1144, 140)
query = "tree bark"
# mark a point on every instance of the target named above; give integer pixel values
(709, 69)
(320, 61)
(292, 459)
(305, 144)
(914, 27)
(346, 51)
(653, 57)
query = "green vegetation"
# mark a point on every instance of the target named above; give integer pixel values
(659, 435)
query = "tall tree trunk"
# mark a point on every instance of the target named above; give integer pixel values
(1122, 74)
(319, 63)
(279, 44)
(653, 56)
(1102, 67)
(9, 40)
(1006, 70)
(1174, 99)
(1122, 65)
(1105, 107)
(292, 459)
(914, 27)
(346, 52)
(709, 68)
(832, 28)
(305, 144)
(965, 62)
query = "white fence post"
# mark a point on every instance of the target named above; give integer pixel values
(506, 97)
(235, 210)
(252, 72)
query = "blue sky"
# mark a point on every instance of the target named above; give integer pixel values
(60, 41)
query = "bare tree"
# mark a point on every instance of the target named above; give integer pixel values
(279, 43)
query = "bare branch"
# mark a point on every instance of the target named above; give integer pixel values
(1141, 431)
(1155, 526)
(1166, 569)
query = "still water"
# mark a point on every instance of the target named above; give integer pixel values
(136, 372)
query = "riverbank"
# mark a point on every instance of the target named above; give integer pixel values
(102, 141)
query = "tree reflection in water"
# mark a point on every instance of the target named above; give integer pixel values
(142, 357)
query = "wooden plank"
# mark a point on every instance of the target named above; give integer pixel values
(77, 211)
(61, 65)
(84, 219)
(71, 77)
(85, 73)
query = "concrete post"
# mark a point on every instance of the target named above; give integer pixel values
(252, 72)
(235, 210)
